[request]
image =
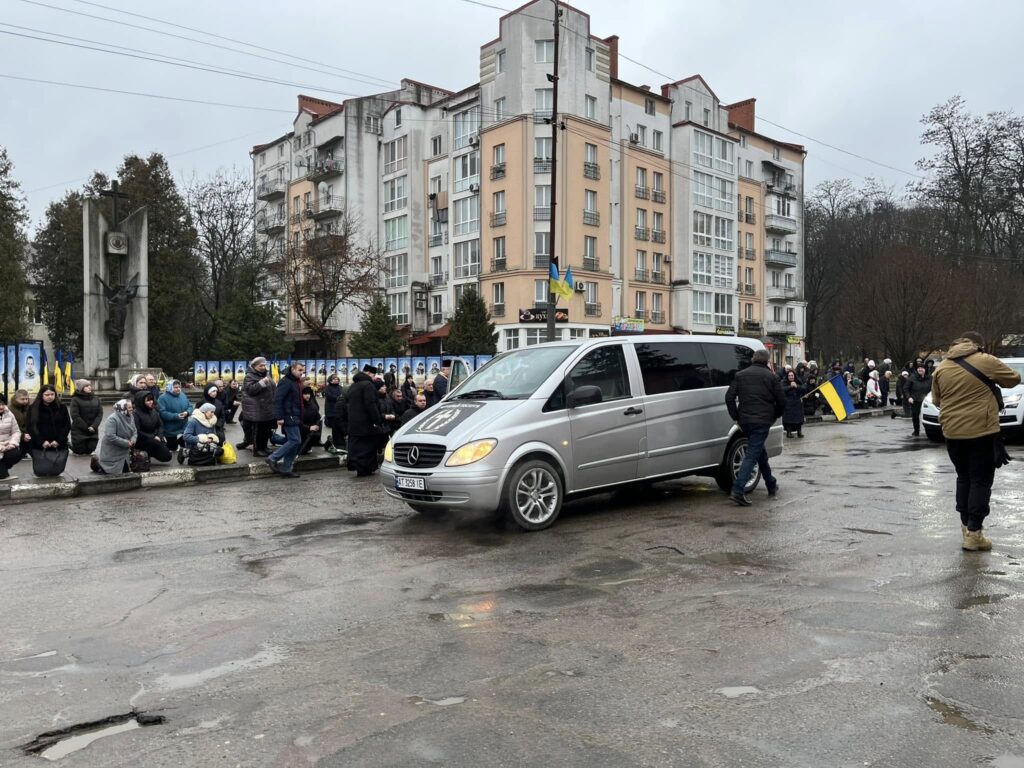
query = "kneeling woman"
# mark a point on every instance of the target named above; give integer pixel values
(119, 436)
(200, 436)
(150, 427)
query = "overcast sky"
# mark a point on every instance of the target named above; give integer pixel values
(857, 76)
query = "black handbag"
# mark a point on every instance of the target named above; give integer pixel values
(49, 462)
(1000, 456)
(139, 461)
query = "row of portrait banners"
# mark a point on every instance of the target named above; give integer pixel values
(320, 370)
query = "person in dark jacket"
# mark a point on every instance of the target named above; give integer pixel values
(48, 420)
(793, 415)
(812, 398)
(761, 402)
(311, 427)
(364, 423)
(441, 380)
(257, 406)
(288, 413)
(409, 390)
(152, 386)
(86, 413)
(332, 394)
(394, 408)
(228, 398)
(150, 428)
(916, 388)
(212, 396)
(419, 406)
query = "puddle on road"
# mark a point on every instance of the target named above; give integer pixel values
(55, 745)
(952, 715)
(264, 658)
(737, 691)
(972, 602)
(445, 702)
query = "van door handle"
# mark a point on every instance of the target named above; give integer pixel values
(631, 411)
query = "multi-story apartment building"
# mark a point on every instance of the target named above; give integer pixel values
(665, 209)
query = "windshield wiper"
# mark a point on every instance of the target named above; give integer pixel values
(480, 394)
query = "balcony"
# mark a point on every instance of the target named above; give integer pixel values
(748, 253)
(497, 310)
(296, 218)
(750, 218)
(324, 169)
(268, 190)
(542, 213)
(592, 308)
(785, 225)
(270, 225)
(591, 171)
(642, 275)
(462, 271)
(657, 316)
(591, 264)
(780, 293)
(644, 193)
(780, 327)
(436, 240)
(439, 278)
(748, 289)
(658, 195)
(498, 171)
(499, 265)
(642, 233)
(657, 276)
(542, 165)
(658, 235)
(275, 252)
(498, 219)
(774, 258)
(541, 261)
(542, 115)
(329, 205)
(593, 218)
(640, 314)
(397, 244)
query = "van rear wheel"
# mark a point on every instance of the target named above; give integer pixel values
(730, 467)
(533, 495)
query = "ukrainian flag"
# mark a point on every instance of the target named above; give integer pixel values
(838, 397)
(558, 286)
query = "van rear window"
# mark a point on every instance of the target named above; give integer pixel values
(673, 366)
(724, 360)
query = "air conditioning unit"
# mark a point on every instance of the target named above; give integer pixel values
(580, 286)
(667, 259)
(474, 139)
(634, 138)
(474, 187)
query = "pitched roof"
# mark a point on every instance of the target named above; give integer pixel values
(665, 88)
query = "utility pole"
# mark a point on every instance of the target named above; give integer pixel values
(553, 77)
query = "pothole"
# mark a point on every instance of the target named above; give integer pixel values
(972, 602)
(952, 715)
(53, 745)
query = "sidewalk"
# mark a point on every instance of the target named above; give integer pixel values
(79, 480)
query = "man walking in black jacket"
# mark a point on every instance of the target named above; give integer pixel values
(761, 402)
(288, 412)
(364, 423)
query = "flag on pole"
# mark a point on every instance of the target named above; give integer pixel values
(558, 286)
(46, 370)
(838, 397)
(69, 383)
(275, 372)
(58, 378)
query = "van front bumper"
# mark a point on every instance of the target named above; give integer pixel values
(476, 491)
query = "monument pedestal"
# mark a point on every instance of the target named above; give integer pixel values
(116, 379)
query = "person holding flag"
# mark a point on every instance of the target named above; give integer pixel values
(837, 395)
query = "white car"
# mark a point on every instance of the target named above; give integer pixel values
(1011, 418)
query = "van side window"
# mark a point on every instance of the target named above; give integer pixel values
(604, 367)
(724, 360)
(674, 366)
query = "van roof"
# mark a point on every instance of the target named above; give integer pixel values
(648, 338)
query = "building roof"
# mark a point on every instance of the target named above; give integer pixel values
(787, 144)
(260, 147)
(691, 78)
(318, 107)
(523, 7)
(644, 89)
(426, 85)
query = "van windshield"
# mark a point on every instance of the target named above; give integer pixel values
(515, 374)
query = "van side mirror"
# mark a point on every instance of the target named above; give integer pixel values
(588, 394)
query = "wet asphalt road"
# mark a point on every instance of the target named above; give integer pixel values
(318, 622)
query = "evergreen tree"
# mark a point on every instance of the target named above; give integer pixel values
(248, 327)
(378, 336)
(56, 270)
(12, 252)
(472, 332)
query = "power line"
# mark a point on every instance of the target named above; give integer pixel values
(203, 42)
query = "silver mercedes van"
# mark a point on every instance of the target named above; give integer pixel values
(544, 423)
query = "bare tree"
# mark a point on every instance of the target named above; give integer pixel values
(329, 270)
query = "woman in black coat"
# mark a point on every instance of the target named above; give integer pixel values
(364, 424)
(150, 427)
(332, 394)
(86, 418)
(48, 420)
(793, 415)
(311, 425)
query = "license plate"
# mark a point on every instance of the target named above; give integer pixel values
(410, 483)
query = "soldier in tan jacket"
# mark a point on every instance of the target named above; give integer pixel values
(970, 423)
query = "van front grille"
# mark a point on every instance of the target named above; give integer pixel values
(418, 455)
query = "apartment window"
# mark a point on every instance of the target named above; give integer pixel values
(542, 243)
(398, 307)
(641, 261)
(703, 224)
(724, 153)
(723, 233)
(641, 132)
(396, 233)
(725, 197)
(540, 292)
(590, 200)
(656, 303)
(649, 106)
(641, 178)
(396, 155)
(435, 146)
(590, 108)
(641, 301)
(498, 294)
(788, 279)
(702, 301)
(707, 117)
(589, 248)
(467, 258)
(398, 118)
(280, 151)
(588, 59)
(657, 141)
(498, 154)
(498, 202)
(657, 221)
(467, 171)
(656, 263)
(297, 143)
(641, 218)
(280, 172)
(776, 277)
(748, 169)
(542, 195)
(435, 184)
(512, 339)
(748, 310)
(702, 268)
(703, 148)
(790, 315)
(307, 201)
(725, 272)
(499, 62)
(536, 335)
(748, 205)
(542, 148)
(466, 218)
(499, 248)
(783, 207)
(776, 153)
(659, 182)
(397, 270)
(749, 242)
(723, 309)
(396, 194)
(543, 99)
(590, 292)
(466, 124)
(688, 110)
(437, 266)
(703, 189)
(499, 108)
(590, 153)
(437, 307)
(544, 51)
(777, 314)
(263, 159)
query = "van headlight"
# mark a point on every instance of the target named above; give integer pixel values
(927, 399)
(471, 452)
(389, 452)
(1012, 401)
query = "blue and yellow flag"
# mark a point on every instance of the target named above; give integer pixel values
(58, 378)
(558, 286)
(69, 383)
(837, 396)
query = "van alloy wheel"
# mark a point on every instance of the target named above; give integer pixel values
(730, 467)
(533, 495)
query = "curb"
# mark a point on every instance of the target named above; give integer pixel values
(64, 489)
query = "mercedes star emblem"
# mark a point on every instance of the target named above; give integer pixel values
(414, 456)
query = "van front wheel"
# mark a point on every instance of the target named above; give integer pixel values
(730, 467)
(533, 495)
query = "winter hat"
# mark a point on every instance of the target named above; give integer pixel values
(257, 361)
(904, 374)
(213, 387)
(871, 363)
(121, 406)
(874, 375)
(207, 408)
(82, 383)
(887, 361)
(169, 388)
(369, 368)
